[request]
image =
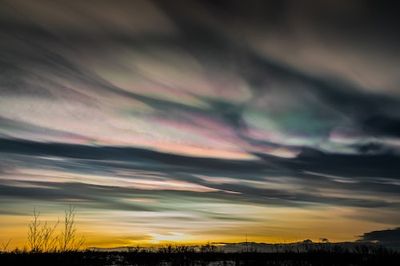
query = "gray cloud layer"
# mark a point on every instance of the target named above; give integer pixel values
(352, 179)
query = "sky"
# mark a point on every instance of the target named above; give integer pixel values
(200, 121)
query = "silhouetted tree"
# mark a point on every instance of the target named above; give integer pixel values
(42, 236)
(34, 233)
(69, 240)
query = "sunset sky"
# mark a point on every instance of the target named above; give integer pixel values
(194, 121)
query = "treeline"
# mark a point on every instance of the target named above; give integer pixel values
(176, 257)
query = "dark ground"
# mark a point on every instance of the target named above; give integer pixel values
(88, 258)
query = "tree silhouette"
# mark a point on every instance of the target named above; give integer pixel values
(42, 235)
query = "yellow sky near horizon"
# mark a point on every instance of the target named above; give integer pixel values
(293, 225)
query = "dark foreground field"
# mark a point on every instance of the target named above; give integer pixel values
(89, 258)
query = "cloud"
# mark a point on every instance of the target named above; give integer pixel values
(307, 179)
(389, 237)
(132, 90)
